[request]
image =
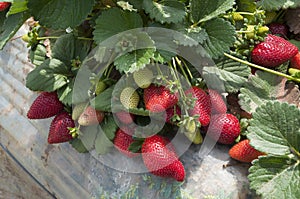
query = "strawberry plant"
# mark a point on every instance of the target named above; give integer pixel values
(151, 78)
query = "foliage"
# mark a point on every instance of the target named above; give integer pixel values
(275, 130)
(102, 40)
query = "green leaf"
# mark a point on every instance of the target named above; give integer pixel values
(109, 127)
(81, 86)
(137, 4)
(233, 75)
(102, 144)
(102, 102)
(190, 36)
(259, 89)
(270, 5)
(168, 11)
(139, 111)
(205, 10)
(17, 6)
(246, 5)
(137, 53)
(78, 145)
(135, 146)
(295, 42)
(10, 26)
(60, 14)
(38, 54)
(275, 177)
(122, 21)
(88, 136)
(275, 128)
(221, 36)
(163, 56)
(49, 76)
(65, 93)
(134, 61)
(2, 20)
(67, 48)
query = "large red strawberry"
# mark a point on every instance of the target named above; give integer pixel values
(295, 61)
(278, 29)
(160, 160)
(202, 105)
(44, 106)
(217, 102)
(224, 128)
(244, 152)
(4, 5)
(159, 98)
(90, 116)
(59, 131)
(273, 51)
(123, 139)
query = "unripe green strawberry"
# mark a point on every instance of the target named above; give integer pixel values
(129, 98)
(195, 136)
(25, 38)
(143, 77)
(251, 31)
(237, 16)
(77, 110)
(100, 87)
(190, 125)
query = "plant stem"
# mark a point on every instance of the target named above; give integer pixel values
(56, 37)
(262, 68)
(49, 37)
(187, 68)
(181, 68)
(243, 31)
(250, 13)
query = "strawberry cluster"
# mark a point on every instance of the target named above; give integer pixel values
(62, 128)
(47, 105)
(158, 153)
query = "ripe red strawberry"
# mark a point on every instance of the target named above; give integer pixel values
(160, 160)
(170, 112)
(217, 102)
(90, 116)
(224, 128)
(202, 105)
(159, 98)
(244, 152)
(125, 117)
(4, 5)
(44, 106)
(59, 131)
(123, 139)
(295, 61)
(278, 29)
(273, 51)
